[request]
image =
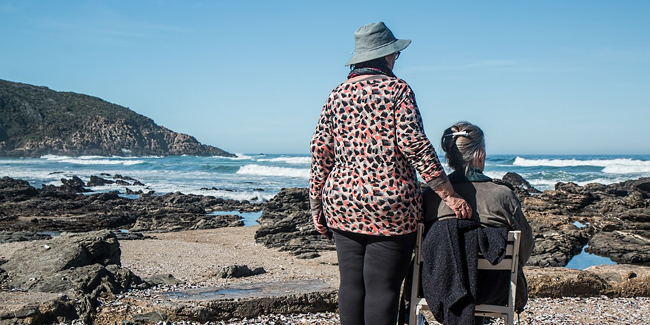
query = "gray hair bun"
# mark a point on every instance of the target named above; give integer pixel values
(462, 143)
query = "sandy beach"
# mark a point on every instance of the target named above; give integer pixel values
(194, 257)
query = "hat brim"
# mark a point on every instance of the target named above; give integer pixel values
(379, 52)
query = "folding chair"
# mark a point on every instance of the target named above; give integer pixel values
(510, 262)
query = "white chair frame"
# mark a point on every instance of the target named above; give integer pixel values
(510, 262)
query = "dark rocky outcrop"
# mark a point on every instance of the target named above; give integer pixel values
(613, 220)
(26, 209)
(63, 278)
(286, 224)
(36, 121)
(521, 186)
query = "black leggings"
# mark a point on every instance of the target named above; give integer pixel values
(372, 269)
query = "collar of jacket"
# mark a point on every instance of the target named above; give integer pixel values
(473, 175)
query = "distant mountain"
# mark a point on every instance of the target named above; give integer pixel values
(36, 121)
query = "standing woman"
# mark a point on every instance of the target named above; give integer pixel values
(365, 151)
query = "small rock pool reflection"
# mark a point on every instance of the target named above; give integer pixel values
(584, 260)
(249, 218)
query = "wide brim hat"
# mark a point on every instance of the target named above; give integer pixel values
(374, 41)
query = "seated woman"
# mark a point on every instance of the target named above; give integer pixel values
(493, 205)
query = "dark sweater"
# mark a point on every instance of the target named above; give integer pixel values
(450, 266)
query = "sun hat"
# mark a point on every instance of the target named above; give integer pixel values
(374, 41)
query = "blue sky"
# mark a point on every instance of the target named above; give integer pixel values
(540, 77)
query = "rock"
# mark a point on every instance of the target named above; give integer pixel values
(219, 221)
(521, 186)
(561, 282)
(153, 317)
(10, 236)
(286, 224)
(308, 255)
(625, 280)
(98, 181)
(15, 190)
(555, 246)
(35, 308)
(622, 246)
(43, 258)
(74, 184)
(239, 271)
(566, 199)
(600, 280)
(71, 272)
(246, 300)
(162, 279)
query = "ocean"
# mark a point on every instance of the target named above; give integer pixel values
(259, 177)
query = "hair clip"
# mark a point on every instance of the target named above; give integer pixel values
(461, 133)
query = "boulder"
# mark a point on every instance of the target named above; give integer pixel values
(98, 181)
(74, 184)
(622, 246)
(600, 280)
(556, 282)
(70, 273)
(625, 280)
(239, 271)
(286, 224)
(15, 190)
(521, 186)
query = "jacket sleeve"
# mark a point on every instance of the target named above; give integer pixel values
(322, 158)
(413, 142)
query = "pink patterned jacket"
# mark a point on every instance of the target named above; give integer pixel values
(365, 151)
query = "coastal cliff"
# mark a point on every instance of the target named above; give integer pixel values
(37, 121)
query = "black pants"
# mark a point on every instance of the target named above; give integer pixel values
(372, 269)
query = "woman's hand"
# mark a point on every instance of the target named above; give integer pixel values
(448, 195)
(321, 228)
(459, 205)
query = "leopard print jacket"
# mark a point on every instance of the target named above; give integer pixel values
(365, 151)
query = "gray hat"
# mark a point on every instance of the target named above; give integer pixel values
(374, 41)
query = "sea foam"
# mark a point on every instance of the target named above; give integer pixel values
(616, 165)
(290, 160)
(273, 171)
(238, 156)
(93, 160)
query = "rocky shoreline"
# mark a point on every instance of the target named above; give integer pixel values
(27, 211)
(100, 268)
